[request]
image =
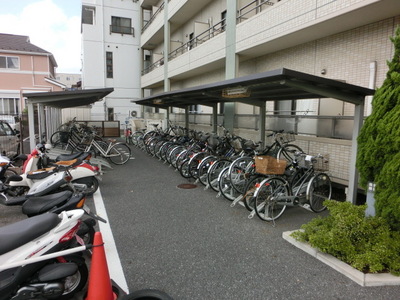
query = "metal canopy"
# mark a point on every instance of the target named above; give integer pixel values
(59, 100)
(281, 84)
(65, 99)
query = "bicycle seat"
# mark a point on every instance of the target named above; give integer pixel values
(17, 234)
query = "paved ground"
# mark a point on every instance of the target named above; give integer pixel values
(195, 246)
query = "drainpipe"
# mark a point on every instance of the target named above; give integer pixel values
(371, 85)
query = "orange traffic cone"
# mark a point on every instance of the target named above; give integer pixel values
(99, 279)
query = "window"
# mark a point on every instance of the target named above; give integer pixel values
(88, 14)
(9, 106)
(110, 112)
(121, 25)
(9, 62)
(109, 64)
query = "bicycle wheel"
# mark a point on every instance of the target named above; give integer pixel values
(214, 170)
(252, 184)
(267, 206)
(194, 163)
(119, 154)
(240, 171)
(288, 152)
(319, 189)
(203, 167)
(225, 186)
(134, 137)
(184, 169)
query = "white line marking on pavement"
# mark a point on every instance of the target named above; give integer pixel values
(113, 261)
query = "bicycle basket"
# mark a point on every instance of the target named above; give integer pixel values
(64, 137)
(269, 165)
(322, 163)
(286, 137)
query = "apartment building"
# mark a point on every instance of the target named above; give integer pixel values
(24, 68)
(188, 43)
(111, 56)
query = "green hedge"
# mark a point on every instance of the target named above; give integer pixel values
(365, 243)
(378, 157)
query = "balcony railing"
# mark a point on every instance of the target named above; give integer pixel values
(252, 9)
(153, 66)
(199, 39)
(244, 13)
(152, 18)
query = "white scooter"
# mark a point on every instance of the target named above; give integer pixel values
(36, 260)
(39, 180)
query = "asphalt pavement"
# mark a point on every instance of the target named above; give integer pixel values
(193, 245)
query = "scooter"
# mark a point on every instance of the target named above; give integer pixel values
(65, 201)
(36, 168)
(47, 181)
(36, 261)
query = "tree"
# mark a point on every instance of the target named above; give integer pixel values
(378, 157)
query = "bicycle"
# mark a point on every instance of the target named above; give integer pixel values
(308, 188)
(118, 153)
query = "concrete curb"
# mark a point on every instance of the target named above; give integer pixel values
(355, 275)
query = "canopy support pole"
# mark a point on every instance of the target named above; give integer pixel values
(353, 173)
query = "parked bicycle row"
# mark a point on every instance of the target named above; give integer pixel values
(263, 179)
(75, 137)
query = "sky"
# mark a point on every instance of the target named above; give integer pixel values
(53, 25)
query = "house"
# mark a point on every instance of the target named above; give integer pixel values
(24, 68)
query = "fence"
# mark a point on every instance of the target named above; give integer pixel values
(337, 127)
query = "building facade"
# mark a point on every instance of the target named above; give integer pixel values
(24, 68)
(111, 56)
(188, 43)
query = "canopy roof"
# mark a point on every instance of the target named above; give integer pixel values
(65, 99)
(281, 84)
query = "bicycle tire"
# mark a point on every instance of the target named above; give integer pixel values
(225, 186)
(251, 187)
(288, 151)
(240, 171)
(203, 167)
(119, 154)
(214, 171)
(194, 163)
(55, 139)
(266, 207)
(319, 189)
(184, 169)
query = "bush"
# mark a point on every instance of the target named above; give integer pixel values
(378, 157)
(365, 243)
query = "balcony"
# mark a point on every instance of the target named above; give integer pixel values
(289, 23)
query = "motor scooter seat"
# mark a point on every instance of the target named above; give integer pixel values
(17, 234)
(79, 155)
(41, 204)
(40, 173)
